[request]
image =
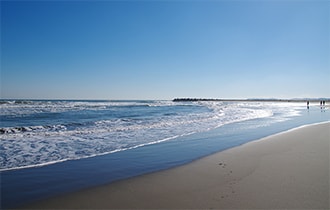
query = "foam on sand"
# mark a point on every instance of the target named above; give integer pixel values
(286, 170)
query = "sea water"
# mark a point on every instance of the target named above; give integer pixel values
(36, 133)
(52, 147)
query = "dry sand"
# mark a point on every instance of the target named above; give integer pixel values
(284, 171)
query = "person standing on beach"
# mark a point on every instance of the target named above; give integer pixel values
(322, 104)
(307, 104)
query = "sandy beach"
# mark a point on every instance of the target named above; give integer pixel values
(289, 170)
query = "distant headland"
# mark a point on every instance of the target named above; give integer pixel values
(254, 99)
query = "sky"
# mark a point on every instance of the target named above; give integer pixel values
(165, 49)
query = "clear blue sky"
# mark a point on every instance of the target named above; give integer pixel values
(165, 49)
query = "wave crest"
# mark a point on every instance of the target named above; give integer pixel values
(131, 125)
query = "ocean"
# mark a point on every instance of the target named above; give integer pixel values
(51, 147)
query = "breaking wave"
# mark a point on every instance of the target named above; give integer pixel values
(39, 133)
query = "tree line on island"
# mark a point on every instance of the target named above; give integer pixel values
(253, 99)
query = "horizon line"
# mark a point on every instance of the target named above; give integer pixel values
(176, 99)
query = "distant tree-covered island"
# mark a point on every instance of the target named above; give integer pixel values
(254, 99)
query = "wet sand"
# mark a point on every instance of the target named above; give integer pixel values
(284, 171)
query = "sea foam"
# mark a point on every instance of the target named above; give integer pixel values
(38, 133)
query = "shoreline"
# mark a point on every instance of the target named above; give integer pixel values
(285, 170)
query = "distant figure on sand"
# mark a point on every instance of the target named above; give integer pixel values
(322, 104)
(307, 104)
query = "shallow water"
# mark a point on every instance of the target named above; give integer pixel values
(38, 133)
(171, 134)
